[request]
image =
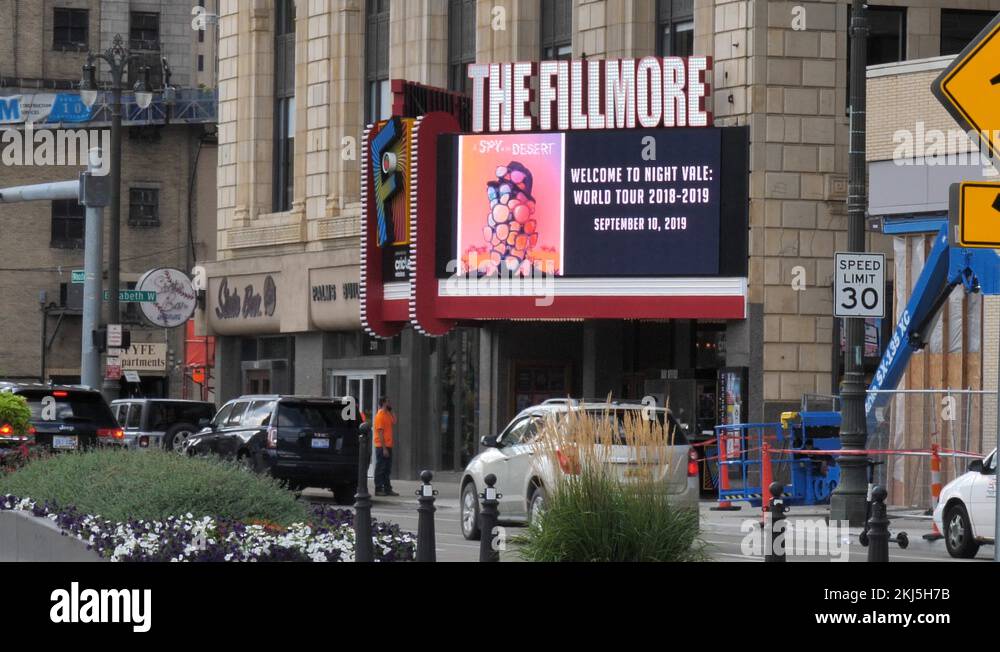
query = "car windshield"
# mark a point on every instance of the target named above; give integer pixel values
(318, 416)
(69, 405)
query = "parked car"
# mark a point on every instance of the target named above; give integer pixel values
(160, 423)
(67, 418)
(524, 480)
(966, 512)
(306, 442)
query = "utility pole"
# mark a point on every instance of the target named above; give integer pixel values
(848, 501)
(118, 58)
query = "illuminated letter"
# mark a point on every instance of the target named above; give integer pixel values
(546, 93)
(619, 91)
(522, 96)
(697, 117)
(674, 100)
(649, 87)
(478, 72)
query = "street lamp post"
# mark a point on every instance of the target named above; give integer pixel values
(848, 501)
(118, 58)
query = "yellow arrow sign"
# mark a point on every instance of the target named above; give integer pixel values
(975, 210)
(970, 87)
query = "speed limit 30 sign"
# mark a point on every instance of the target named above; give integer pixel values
(859, 285)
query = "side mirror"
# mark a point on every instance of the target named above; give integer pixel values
(489, 442)
(976, 466)
(204, 423)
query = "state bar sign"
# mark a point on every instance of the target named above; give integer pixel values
(859, 285)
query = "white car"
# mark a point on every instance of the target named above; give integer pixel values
(523, 479)
(966, 512)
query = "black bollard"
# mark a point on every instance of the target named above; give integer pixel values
(488, 520)
(878, 527)
(363, 500)
(425, 519)
(777, 509)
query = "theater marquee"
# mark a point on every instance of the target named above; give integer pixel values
(618, 201)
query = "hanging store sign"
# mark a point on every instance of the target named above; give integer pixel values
(594, 94)
(174, 298)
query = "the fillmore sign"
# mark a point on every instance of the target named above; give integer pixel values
(594, 94)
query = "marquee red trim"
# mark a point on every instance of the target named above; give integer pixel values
(688, 307)
(423, 252)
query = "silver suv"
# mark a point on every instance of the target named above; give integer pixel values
(524, 480)
(160, 423)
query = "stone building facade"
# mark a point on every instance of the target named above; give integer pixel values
(780, 68)
(168, 181)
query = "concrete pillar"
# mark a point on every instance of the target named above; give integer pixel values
(309, 379)
(229, 373)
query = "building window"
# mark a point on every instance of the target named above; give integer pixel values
(378, 98)
(960, 26)
(70, 29)
(886, 38)
(144, 30)
(557, 29)
(461, 43)
(68, 219)
(675, 28)
(887, 35)
(144, 207)
(284, 106)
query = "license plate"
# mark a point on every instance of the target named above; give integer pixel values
(65, 443)
(639, 473)
(321, 443)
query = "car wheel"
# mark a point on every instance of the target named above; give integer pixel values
(343, 494)
(958, 533)
(537, 505)
(250, 461)
(174, 438)
(470, 512)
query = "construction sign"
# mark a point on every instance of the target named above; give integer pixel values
(970, 88)
(975, 214)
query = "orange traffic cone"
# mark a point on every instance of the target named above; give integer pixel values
(935, 533)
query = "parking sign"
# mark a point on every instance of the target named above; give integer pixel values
(859, 285)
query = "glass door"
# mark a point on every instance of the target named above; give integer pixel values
(365, 388)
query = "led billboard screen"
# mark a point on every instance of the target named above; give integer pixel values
(649, 203)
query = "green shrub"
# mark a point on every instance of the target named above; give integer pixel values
(593, 516)
(152, 485)
(597, 518)
(14, 411)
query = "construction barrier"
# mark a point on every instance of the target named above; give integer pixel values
(752, 456)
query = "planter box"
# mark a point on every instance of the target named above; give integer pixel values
(27, 538)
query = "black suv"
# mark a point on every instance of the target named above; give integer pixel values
(306, 442)
(160, 422)
(67, 418)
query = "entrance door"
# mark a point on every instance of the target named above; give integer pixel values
(366, 388)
